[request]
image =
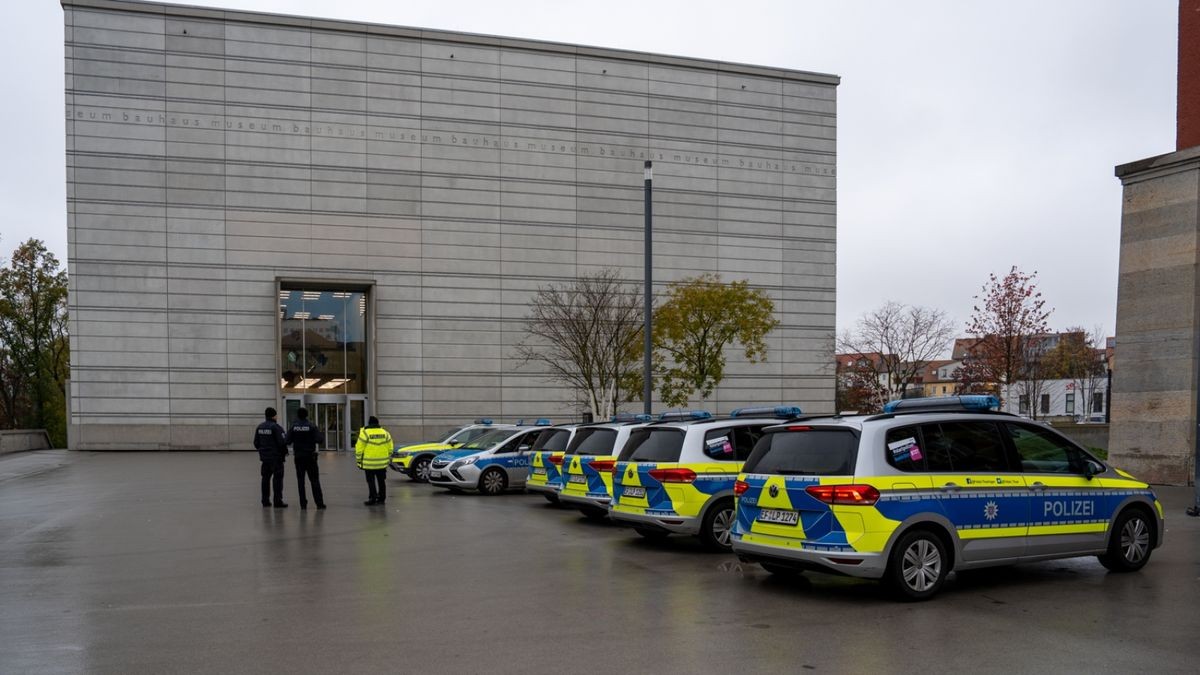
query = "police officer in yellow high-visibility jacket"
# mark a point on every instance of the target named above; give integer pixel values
(373, 451)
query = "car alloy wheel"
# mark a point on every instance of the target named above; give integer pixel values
(722, 527)
(492, 482)
(421, 470)
(716, 528)
(1131, 540)
(1135, 540)
(921, 565)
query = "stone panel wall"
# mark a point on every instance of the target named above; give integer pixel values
(1153, 431)
(211, 153)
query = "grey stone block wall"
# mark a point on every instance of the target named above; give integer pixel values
(1153, 430)
(211, 153)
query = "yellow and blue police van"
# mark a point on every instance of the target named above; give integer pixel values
(589, 461)
(492, 464)
(930, 486)
(676, 475)
(413, 460)
(545, 460)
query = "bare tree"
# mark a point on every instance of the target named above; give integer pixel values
(587, 334)
(896, 342)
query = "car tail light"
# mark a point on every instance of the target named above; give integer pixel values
(739, 487)
(556, 460)
(603, 464)
(799, 428)
(673, 475)
(859, 495)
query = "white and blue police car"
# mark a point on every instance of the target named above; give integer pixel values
(491, 464)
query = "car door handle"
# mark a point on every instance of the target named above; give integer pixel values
(1037, 485)
(950, 487)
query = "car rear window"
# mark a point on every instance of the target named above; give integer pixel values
(552, 440)
(653, 445)
(594, 442)
(816, 452)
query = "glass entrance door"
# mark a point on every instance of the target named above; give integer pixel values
(330, 419)
(291, 404)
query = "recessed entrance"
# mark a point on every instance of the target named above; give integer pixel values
(323, 359)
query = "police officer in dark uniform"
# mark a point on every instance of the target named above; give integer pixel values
(304, 437)
(271, 444)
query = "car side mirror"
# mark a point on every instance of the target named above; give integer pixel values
(1092, 468)
(454, 444)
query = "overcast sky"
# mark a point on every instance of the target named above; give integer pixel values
(973, 135)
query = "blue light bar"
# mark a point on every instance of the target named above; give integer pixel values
(685, 415)
(630, 417)
(484, 420)
(781, 411)
(542, 422)
(969, 402)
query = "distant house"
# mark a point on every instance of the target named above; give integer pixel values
(940, 378)
(1066, 400)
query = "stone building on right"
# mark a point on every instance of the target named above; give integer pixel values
(1155, 405)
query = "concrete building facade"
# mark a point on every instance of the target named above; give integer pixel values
(269, 210)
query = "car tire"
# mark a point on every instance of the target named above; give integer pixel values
(419, 470)
(917, 566)
(652, 535)
(593, 513)
(716, 530)
(492, 482)
(1131, 542)
(781, 570)
(551, 497)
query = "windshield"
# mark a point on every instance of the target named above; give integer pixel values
(661, 444)
(466, 435)
(552, 440)
(489, 439)
(594, 442)
(817, 452)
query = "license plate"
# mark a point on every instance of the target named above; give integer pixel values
(777, 517)
(576, 478)
(634, 492)
(539, 471)
(435, 474)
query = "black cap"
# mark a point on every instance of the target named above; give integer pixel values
(373, 421)
(270, 413)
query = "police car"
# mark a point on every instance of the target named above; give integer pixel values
(545, 477)
(413, 460)
(930, 486)
(676, 475)
(589, 461)
(493, 463)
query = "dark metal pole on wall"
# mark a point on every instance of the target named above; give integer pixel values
(648, 294)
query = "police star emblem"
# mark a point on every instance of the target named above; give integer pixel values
(991, 510)
(774, 490)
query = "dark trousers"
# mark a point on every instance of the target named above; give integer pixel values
(307, 466)
(272, 476)
(376, 477)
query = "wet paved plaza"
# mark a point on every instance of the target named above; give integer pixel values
(165, 562)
